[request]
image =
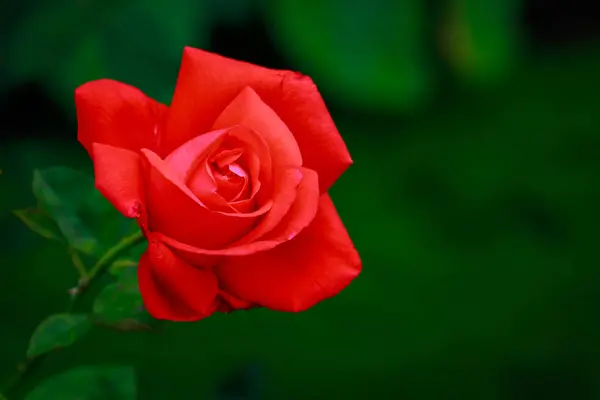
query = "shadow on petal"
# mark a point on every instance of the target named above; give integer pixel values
(172, 289)
(117, 173)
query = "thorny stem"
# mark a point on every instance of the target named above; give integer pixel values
(77, 292)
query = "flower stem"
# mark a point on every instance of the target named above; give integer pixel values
(78, 263)
(97, 270)
(112, 253)
(104, 262)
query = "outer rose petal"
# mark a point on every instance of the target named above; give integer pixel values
(172, 289)
(209, 82)
(227, 303)
(118, 178)
(298, 274)
(119, 115)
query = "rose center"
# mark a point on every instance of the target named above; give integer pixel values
(224, 173)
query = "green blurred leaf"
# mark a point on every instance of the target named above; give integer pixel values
(88, 383)
(481, 38)
(40, 222)
(57, 331)
(61, 192)
(86, 219)
(369, 53)
(136, 42)
(119, 305)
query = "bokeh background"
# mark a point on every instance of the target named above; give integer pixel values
(475, 130)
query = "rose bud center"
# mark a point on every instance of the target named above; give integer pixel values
(228, 171)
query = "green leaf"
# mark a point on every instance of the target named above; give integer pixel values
(372, 54)
(88, 383)
(57, 331)
(119, 305)
(86, 219)
(61, 192)
(39, 222)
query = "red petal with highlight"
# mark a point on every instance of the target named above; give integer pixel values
(248, 110)
(118, 115)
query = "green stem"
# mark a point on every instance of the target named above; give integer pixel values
(97, 270)
(104, 262)
(78, 263)
(112, 254)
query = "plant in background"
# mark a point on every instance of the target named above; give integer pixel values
(228, 191)
(375, 54)
(387, 55)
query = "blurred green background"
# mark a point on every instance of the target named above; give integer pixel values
(475, 130)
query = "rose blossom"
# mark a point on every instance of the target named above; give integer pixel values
(229, 184)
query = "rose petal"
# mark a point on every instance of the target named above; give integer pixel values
(301, 107)
(202, 183)
(172, 289)
(225, 302)
(185, 158)
(209, 82)
(296, 275)
(284, 196)
(253, 165)
(118, 177)
(259, 162)
(175, 211)
(189, 162)
(298, 217)
(227, 157)
(119, 115)
(302, 211)
(294, 184)
(231, 188)
(250, 111)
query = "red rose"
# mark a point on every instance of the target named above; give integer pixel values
(229, 185)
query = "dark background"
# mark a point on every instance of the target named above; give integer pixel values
(475, 130)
